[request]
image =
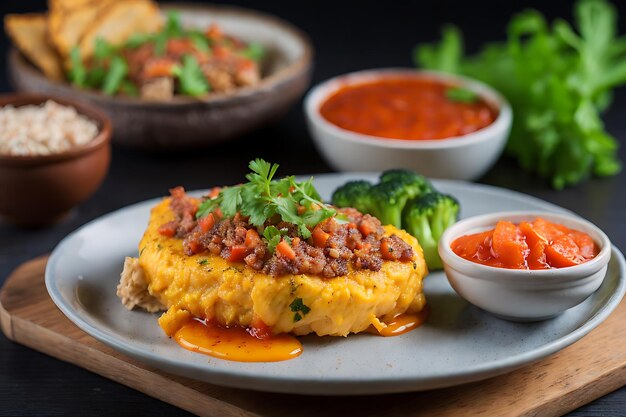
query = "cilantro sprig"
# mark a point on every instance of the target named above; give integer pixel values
(263, 197)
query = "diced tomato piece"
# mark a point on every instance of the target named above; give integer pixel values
(252, 238)
(285, 250)
(168, 229)
(218, 213)
(366, 228)
(177, 192)
(179, 46)
(207, 222)
(237, 253)
(194, 246)
(320, 237)
(509, 246)
(386, 250)
(563, 252)
(215, 191)
(214, 32)
(221, 52)
(158, 67)
(295, 241)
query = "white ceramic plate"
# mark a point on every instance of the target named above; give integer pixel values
(458, 344)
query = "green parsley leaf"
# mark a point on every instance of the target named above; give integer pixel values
(129, 88)
(173, 24)
(273, 236)
(117, 72)
(192, 80)
(137, 39)
(461, 95)
(203, 262)
(200, 41)
(558, 79)
(77, 73)
(263, 197)
(103, 50)
(297, 306)
(255, 51)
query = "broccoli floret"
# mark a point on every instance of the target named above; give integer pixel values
(396, 187)
(426, 218)
(418, 182)
(356, 194)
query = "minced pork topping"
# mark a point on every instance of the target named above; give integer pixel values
(352, 238)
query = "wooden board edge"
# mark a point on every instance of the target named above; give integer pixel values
(123, 371)
(6, 324)
(576, 398)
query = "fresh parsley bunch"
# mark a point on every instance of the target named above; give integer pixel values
(558, 82)
(263, 197)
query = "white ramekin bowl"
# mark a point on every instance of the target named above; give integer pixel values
(465, 157)
(523, 295)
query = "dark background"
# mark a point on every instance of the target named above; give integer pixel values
(347, 36)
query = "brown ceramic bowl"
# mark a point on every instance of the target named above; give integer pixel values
(39, 190)
(188, 122)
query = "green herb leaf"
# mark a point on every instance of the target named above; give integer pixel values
(461, 95)
(129, 88)
(192, 80)
(297, 306)
(273, 236)
(263, 198)
(114, 78)
(558, 79)
(203, 262)
(173, 24)
(77, 73)
(103, 50)
(200, 41)
(255, 51)
(137, 39)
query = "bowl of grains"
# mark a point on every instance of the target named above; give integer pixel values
(54, 154)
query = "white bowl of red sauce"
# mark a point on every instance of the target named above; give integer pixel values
(526, 266)
(440, 125)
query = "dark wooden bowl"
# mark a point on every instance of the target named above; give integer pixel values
(39, 190)
(187, 122)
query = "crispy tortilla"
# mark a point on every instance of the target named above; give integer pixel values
(29, 33)
(68, 4)
(67, 26)
(118, 21)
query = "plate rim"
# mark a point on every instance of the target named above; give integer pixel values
(343, 385)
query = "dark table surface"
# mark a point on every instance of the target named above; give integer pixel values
(347, 36)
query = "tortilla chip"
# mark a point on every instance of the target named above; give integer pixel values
(118, 21)
(67, 27)
(29, 33)
(68, 4)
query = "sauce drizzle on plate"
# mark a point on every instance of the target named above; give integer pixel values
(258, 345)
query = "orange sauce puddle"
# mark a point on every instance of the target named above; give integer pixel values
(235, 343)
(402, 323)
(241, 345)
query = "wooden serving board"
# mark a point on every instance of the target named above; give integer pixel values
(592, 367)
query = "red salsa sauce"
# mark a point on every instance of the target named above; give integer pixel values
(530, 245)
(407, 108)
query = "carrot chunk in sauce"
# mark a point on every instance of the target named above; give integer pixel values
(530, 245)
